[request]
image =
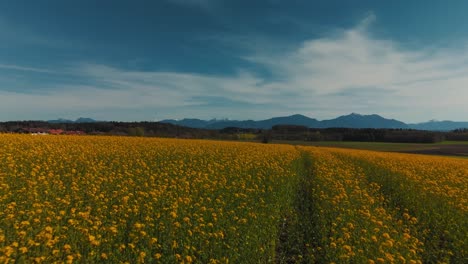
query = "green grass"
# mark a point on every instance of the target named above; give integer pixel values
(448, 142)
(377, 146)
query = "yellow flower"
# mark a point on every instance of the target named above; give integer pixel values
(69, 259)
(347, 248)
(8, 251)
(92, 239)
(386, 235)
(139, 225)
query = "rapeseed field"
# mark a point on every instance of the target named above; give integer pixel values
(98, 199)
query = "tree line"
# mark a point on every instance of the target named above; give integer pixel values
(278, 132)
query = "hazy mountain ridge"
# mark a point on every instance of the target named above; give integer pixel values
(78, 120)
(352, 120)
(445, 125)
(363, 121)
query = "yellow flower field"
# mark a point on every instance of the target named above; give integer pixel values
(98, 199)
(111, 199)
(353, 223)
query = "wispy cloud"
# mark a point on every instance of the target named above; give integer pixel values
(123, 91)
(346, 71)
(416, 81)
(22, 68)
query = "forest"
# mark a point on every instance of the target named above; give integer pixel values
(278, 132)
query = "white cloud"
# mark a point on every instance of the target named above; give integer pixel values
(347, 71)
(125, 91)
(21, 68)
(425, 79)
(177, 86)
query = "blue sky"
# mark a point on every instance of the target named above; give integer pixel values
(152, 60)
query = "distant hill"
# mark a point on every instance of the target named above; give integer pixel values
(85, 120)
(299, 120)
(67, 121)
(439, 125)
(190, 122)
(263, 124)
(60, 121)
(351, 121)
(363, 121)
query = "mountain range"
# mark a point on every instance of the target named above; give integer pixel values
(350, 121)
(68, 121)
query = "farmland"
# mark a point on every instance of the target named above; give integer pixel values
(93, 199)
